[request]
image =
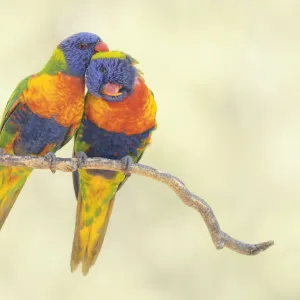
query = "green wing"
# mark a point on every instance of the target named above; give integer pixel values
(71, 132)
(79, 145)
(12, 179)
(8, 130)
(13, 101)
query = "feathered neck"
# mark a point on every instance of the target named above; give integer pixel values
(56, 64)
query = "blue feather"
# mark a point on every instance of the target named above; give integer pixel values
(112, 145)
(35, 132)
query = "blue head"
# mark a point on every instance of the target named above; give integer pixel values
(78, 50)
(111, 76)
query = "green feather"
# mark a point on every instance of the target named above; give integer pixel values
(79, 144)
(114, 54)
(14, 97)
(8, 132)
(56, 64)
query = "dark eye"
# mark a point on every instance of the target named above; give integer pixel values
(83, 46)
(103, 70)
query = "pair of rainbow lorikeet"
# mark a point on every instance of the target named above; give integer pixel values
(113, 120)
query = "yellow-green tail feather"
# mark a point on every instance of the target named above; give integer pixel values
(95, 202)
(12, 180)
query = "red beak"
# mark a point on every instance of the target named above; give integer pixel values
(101, 47)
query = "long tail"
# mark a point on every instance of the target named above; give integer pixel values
(12, 181)
(96, 197)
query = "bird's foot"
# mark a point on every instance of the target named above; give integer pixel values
(51, 159)
(127, 162)
(81, 158)
(1, 151)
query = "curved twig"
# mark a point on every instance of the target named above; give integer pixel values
(220, 238)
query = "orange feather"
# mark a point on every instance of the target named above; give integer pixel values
(60, 96)
(135, 114)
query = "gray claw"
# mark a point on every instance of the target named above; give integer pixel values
(81, 158)
(127, 161)
(51, 159)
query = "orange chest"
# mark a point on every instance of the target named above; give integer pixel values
(134, 115)
(58, 96)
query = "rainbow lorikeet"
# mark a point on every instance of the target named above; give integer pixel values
(44, 111)
(118, 120)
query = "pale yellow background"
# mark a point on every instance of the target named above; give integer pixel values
(226, 78)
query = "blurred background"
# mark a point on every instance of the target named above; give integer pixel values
(225, 75)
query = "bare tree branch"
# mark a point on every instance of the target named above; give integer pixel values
(220, 238)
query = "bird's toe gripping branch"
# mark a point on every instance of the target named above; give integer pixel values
(81, 159)
(127, 162)
(51, 159)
